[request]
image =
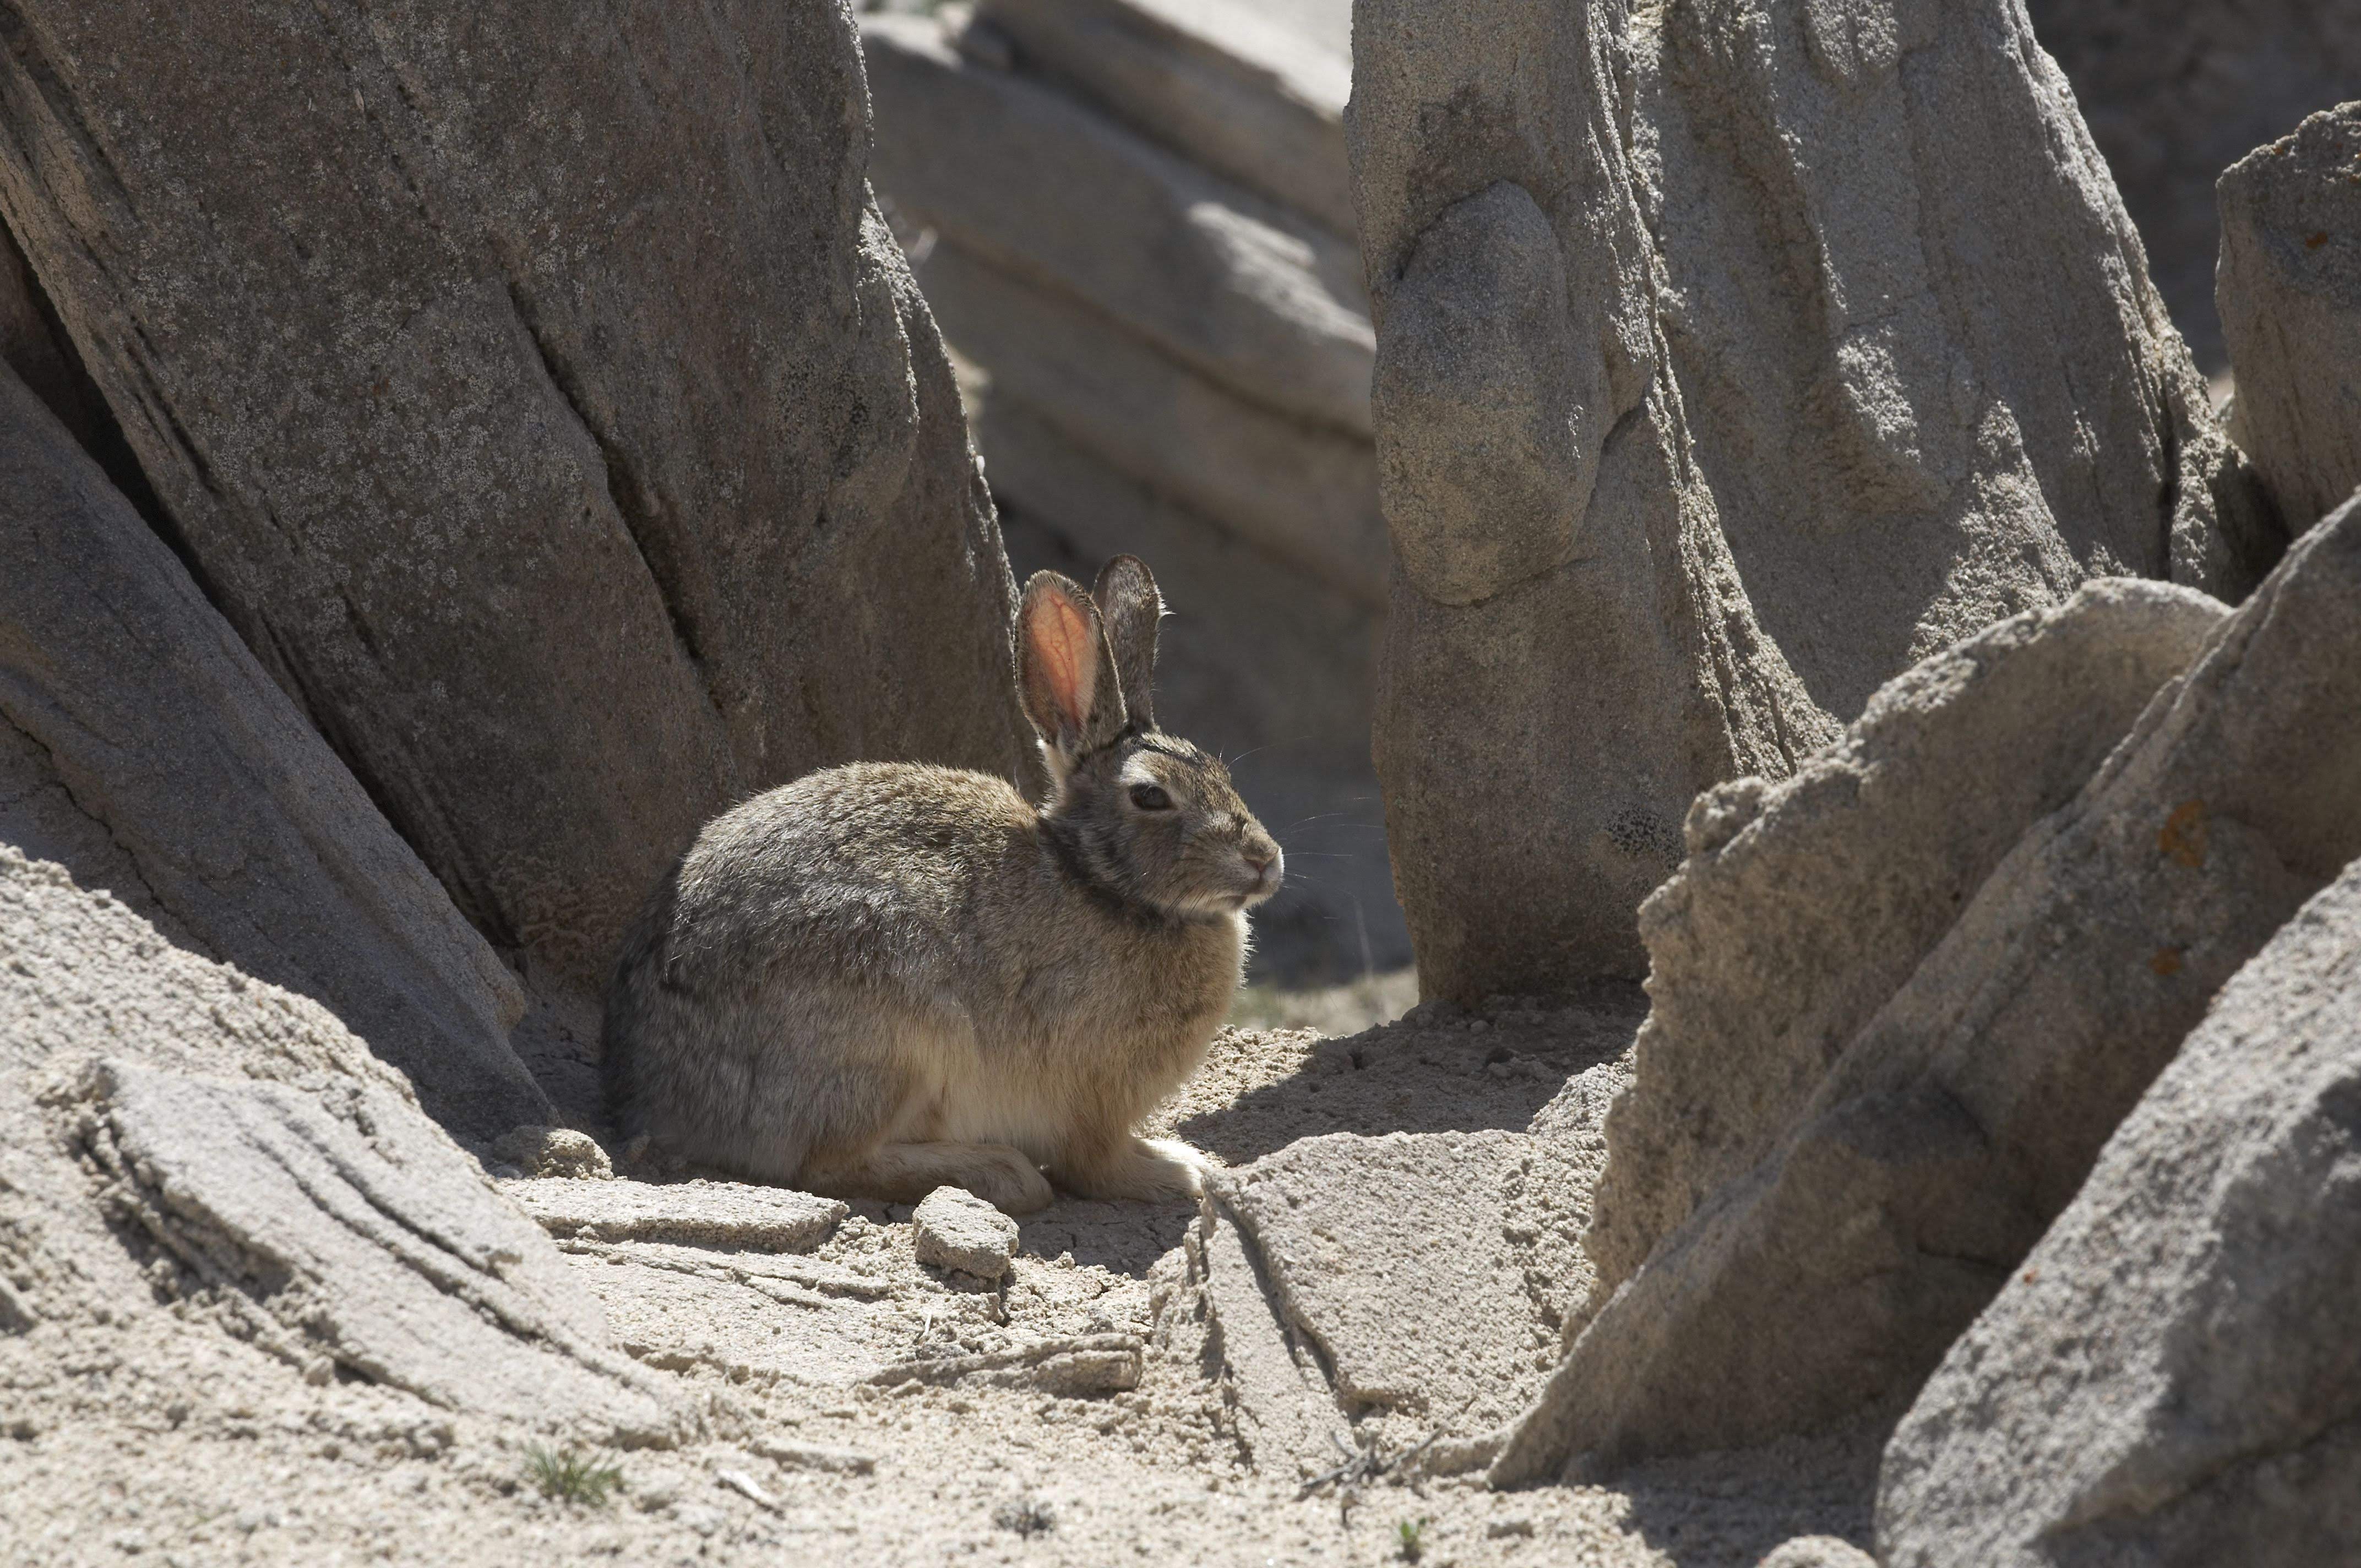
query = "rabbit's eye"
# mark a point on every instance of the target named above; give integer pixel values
(1147, 797)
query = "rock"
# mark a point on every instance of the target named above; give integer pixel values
(1306, 496)
(1253, 91)
(144, 747)
(953, 1228)
(1816, 1551)
(554, 1151)
(431, 337)
(1699, 418)
(2289, 290)
(32, 345)
(2170, 1377)
(1077, 1368)
(727, 1215)
(1284, 1413)
(1404, 1261)
(792, 1455)
(2174, 94)
(1242, 290)
(1962, 1117)
(190, 1156)
(1805, 902)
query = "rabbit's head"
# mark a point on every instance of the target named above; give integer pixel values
(1139, 816)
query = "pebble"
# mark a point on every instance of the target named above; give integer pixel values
(957, 1230)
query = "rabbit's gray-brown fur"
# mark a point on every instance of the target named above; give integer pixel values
(885, 978)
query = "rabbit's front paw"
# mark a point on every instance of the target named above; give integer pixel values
(1004, 1178)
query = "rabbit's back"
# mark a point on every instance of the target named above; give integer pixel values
(803, 965)
(875, 872)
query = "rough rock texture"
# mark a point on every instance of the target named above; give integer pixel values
(955, 1229)
(181, 1141)
(1429, 1272)
(1817, 1551)
(1962, 1117)
(1397, 1295)
(2176, 93)
(2174, 1376)
(554, 1151)
(143, 747)
(1287, 1419)
(1706, 403)
(704, 1213)
(1245, 291)
(2289, 290)
(1805, 902)
(112, 1450)
(1133, 219)
(1303, 495)
(541, 398)
(1255, 91)
(1072, 1369)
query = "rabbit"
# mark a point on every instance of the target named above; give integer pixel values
(886, 977)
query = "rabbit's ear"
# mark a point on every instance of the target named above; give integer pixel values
(1131, 607)
(1066, 670)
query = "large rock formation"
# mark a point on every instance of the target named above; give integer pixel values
(1805, 902)
(1962, 1116)
(1708, 399)
(2174, 1376)
(142, 746)
(191, 1157)
(1133, 216)
(541, 397)
(1253, 91)
(2173, 94)
(2291, 297)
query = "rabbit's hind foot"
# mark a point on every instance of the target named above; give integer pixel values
(1152, 1170)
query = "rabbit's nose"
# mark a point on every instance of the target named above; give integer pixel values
(1258, 856)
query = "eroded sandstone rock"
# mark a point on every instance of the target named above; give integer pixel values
(1255, 91)
(725, 1214)
(2171, 1376)
(2290, 292)
(544, 401)
(143, 746)
(2174, 94)
(953, 1228)
(1406, 1260)
(1963, 1116)
(1804, 903)
(1704, 408)
(174, 1131)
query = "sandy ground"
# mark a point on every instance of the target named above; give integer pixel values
(236, 1458)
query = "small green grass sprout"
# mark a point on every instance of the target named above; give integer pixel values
(1413, 1538)
(572, 1477)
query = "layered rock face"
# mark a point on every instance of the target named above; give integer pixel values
(1804, 904)
(2171, 1377)
(142, 746)
(1133, 215)
(541, 398)
(2176, 93)
(2290, 295)
(1711, 392)
(185, 1150)
(1831, 1272)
